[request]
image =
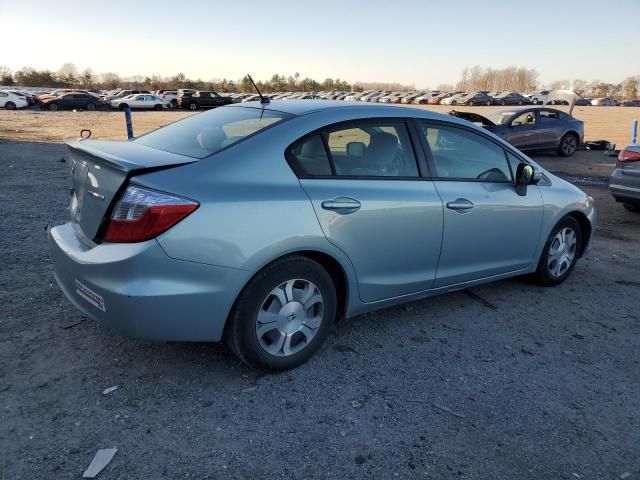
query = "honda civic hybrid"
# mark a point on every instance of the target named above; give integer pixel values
(260, 224)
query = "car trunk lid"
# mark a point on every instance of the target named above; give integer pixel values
(100, 170)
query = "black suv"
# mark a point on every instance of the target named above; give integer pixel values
(193, 100)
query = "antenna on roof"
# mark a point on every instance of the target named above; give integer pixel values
(263, 100)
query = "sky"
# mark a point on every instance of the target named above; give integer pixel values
(419, 42)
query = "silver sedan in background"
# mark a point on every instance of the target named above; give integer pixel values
(261, 224)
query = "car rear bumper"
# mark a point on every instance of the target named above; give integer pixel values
(137, 290)
(624, 188)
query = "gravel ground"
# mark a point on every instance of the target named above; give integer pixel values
(534, 384)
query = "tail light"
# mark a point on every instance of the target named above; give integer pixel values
(141, 214)
(628, 156)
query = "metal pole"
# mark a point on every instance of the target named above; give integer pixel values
(127, 119)
(634, 131)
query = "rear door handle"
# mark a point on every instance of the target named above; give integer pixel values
(342, 204)
(461, 205)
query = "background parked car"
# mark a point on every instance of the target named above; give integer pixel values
(170, 96)
(435, 100)
(631, 103)
(477, 98)
(538, 98)
(604, 102)
(136, 101)
(126, 93)
(202, 99)
(453, 99)
(533, 128)
(583, 102)
(73, 100)
(410, 97)
(11, 101)
(510, 98)
(624, 182)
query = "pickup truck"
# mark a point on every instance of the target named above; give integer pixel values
(201, 99)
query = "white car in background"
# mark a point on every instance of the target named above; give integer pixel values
(538, 98)
(11, 101)
(140, 101)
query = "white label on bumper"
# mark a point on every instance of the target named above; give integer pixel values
(90, 296)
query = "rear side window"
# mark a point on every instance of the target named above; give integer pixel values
(204, 134)
(463, 155)
(547, 116)
(308, 157)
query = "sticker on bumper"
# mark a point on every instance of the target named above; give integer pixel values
(90, 296)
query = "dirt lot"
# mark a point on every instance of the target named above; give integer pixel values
(534, 384)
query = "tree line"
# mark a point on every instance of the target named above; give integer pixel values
(474, 78)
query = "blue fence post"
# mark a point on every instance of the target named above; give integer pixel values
(127, 119)
(634, 131)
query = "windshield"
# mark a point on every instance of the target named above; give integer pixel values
(499, 118)
(204, 134)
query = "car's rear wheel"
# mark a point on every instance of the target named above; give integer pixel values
(503, 103)
(471, 104)
(91, 106)
(174, 103)
(488, 103)
(284, 315)
(560, 253)
(193, 106)
(10, 106)
(122, 106)
(568, 145)
(53, 107)
(535, 101)
(453, 102)
(632, 207)
(519, 102)
(157, 107)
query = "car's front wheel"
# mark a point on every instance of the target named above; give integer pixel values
(568, 145)
(91, 106)
(193, 106)
(560, 253)
(284, 314)
(53, 107)
(10, 106)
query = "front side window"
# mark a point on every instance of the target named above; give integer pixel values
(528, 118)
(463, 155)
(204, 134)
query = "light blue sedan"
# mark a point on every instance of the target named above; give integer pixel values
(260, 224)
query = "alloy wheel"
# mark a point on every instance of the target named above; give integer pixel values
(569, 145)
(562, 252)
(289, 317)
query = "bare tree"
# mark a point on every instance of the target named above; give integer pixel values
(68, 74)
(110, 80)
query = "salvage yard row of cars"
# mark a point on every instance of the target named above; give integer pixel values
(191, 99)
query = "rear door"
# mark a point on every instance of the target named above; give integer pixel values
(364, 183)
(489, 229)
(549, 128)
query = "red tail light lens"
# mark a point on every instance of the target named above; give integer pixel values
(628, 156)
(141, 214)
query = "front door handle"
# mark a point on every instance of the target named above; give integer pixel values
(342, 204)
(461, 205)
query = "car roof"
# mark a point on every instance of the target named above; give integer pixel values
(305, 107)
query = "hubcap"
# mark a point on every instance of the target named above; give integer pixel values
(569, 145)
(561, 252)
(289, 317)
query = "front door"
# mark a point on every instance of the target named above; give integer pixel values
(522, 131)
(488, 228)
(363, 181)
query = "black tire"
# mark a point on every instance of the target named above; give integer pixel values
(488, 103)
(10, 106)
(91, 106)
(471, 104)
(502, 102)
(157, 107)
(193, 106)
(542, 275)
(174, 103)
(122, 106)
(632, 207)
(240, 332)
(53, 107)
(454, 103)
(568, 145)
(519, 102)
(535, 101)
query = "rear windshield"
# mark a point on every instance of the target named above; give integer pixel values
(206, 133)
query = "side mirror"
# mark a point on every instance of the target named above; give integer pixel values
(524, 176)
